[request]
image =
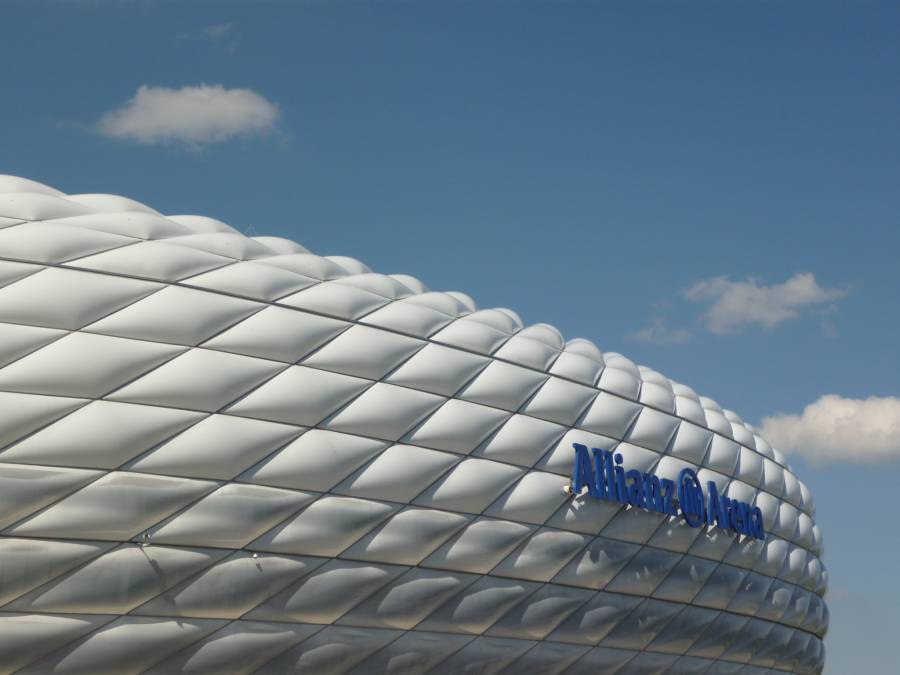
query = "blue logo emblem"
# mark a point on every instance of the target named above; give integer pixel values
(604, 477)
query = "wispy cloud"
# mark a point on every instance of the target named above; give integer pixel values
(193, 116)
(659, 333)
(734, 305)
(218, 31)
(223, 35)
(838, 429)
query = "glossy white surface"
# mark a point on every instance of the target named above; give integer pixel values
(228, 454)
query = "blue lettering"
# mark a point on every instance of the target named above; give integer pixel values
(745, 519)
(636, 488)
(583, 471)
(601, 481)
(690, 497)
(621, 488)
(610, 475)
(668, 498)
(718, 507)
(604, 477)
(756, 523)
(653, 498)
(735, 517)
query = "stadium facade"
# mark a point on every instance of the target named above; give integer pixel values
(226, 454)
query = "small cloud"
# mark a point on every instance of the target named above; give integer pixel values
(838, 429)
(223, 34)
(218, 31)
(194, 116)
(736, 304)
(658, 333)
(826, 320)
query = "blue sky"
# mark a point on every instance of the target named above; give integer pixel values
(643, 174)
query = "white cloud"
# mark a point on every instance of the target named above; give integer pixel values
(838, 429)
(218, 31)
(735, 304)
(658, 333)
(195, 116)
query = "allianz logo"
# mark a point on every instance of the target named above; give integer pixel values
(604, 477)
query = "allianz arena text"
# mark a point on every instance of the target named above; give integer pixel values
(226, 454)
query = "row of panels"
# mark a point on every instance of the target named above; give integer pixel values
(107, 435)
(83, 576)
(69, 645)
(57, 502)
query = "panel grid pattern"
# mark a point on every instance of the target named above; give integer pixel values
(223, 452)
